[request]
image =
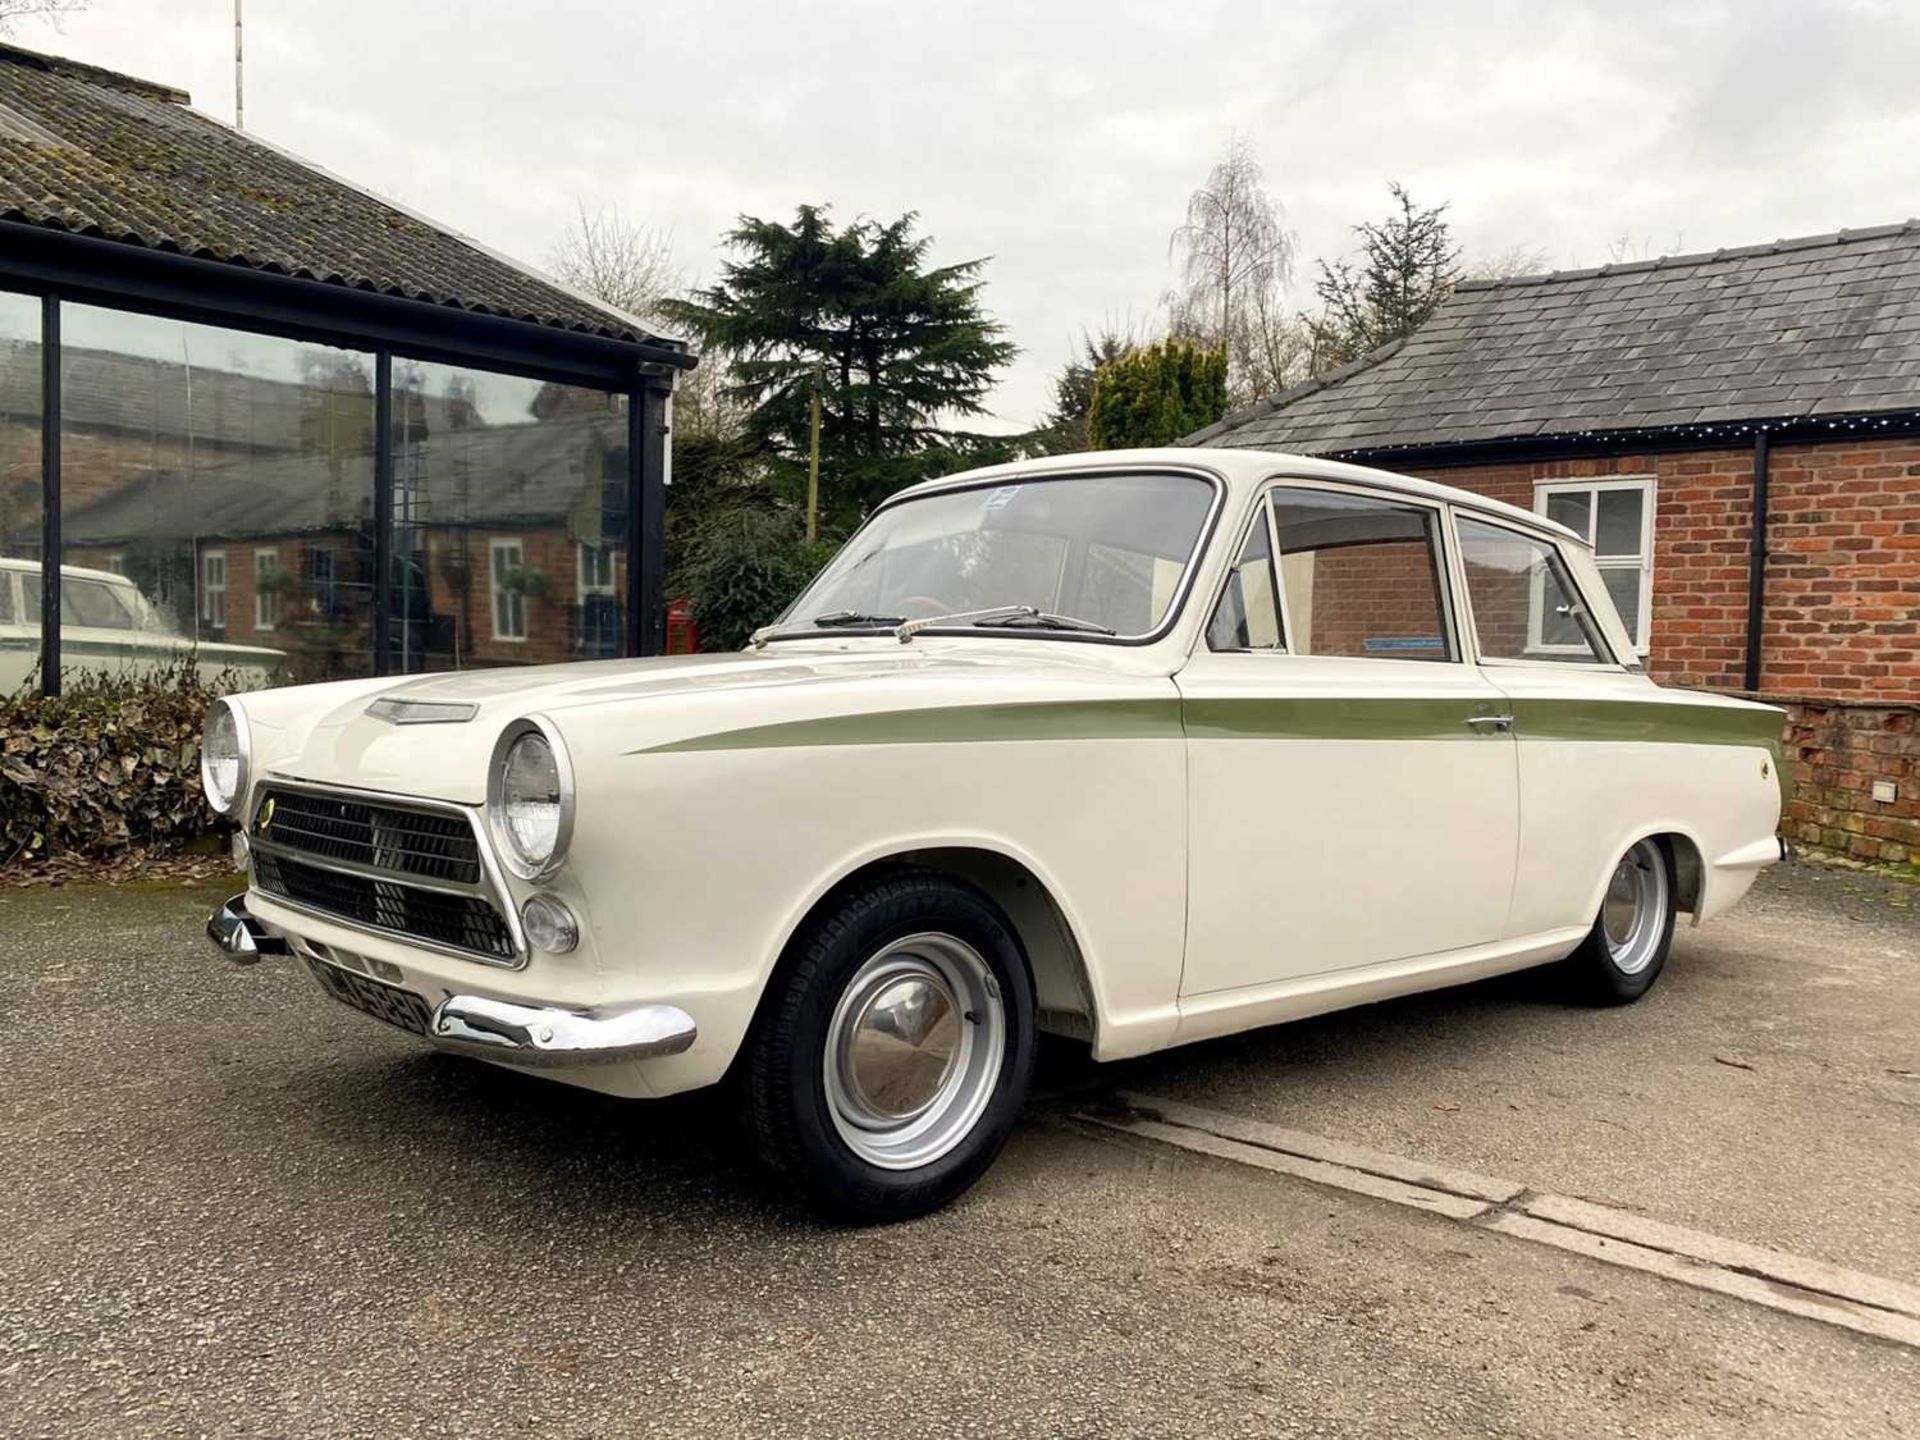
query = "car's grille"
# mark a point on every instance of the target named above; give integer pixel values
(413, 872)
(425, 843)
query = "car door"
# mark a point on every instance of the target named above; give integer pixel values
(1351, 783)
(1580, 719)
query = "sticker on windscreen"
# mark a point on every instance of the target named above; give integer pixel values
(1001, 498)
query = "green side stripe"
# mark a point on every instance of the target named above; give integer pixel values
(1646, 720)
(1257, 718)
(955, 724)
(1331, 718)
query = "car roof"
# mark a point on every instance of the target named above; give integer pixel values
(78, 571)
(1243, 469)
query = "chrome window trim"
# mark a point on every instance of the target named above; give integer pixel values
(1176, 606)
(492, 887)
(1450, 594)
(1606, 659)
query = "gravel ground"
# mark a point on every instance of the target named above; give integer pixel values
(234, 1208)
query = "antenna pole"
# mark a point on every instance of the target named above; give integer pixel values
(239, 87)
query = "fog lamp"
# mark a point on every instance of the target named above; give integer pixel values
(550, 925)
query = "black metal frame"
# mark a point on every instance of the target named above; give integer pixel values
(57, 266)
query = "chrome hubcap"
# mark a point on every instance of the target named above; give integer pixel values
(913, 1051)
(1634, 912)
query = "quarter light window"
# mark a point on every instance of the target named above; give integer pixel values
(1360, 576)
(1525, 604)
(1248, 615)
(1616, 518)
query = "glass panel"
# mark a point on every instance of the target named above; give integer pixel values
(20, 516)
(1618, 531)
(1105, 548)
(1248, 615)
(1623, 584)
(510, 520)
(216, 490)
(1572, 509)
(1361, 576)
(1524, 605)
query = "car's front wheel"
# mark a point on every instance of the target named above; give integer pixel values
(892, 1056)
(1627, 948)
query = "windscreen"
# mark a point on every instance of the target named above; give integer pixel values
(1107, 549)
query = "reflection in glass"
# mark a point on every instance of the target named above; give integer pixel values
(510, 520)
(20, 517)
(216, 498)
(1525, 606)
(1617, 531)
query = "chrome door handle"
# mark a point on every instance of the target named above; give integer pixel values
(1491, 722)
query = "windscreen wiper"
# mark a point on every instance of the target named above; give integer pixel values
(1007, 615)
(836, 619)
(832, 620)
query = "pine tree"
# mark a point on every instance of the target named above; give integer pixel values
(1408, 265)
(895, 348)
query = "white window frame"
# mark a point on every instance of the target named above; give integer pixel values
(586, 583)
(1648, 485)
(515, 549)
(213, 598)
(266, 603)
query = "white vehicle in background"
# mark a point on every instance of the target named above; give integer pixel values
(1138, 748)
(107, 625)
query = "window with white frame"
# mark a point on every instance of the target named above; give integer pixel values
(1615, 516)
(506, 570)
(266, 589)
(213, 589)
(596, 569)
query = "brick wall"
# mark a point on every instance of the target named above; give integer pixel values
(1840, 634)
(1838, 750)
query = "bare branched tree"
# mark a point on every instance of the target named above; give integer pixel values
(1236, 260)
(12, 12)
(617, 261)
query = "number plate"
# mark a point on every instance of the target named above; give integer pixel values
(373, 997)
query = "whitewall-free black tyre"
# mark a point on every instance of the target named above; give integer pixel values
(892, 1054)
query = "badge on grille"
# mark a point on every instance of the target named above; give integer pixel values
(266, 817)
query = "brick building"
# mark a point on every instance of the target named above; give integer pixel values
(297, 416)
(1739, 434)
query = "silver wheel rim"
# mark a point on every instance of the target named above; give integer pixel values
(1633, 913)
(913, 1051)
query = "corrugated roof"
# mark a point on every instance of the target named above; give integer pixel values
(1820, 326)
(98, 153)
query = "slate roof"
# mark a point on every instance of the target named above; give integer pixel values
(1823, 326)
(99, 153)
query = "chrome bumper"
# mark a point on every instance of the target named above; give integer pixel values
(241, 938)
(531, 1035)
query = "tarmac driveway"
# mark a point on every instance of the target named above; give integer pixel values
(232, 1208)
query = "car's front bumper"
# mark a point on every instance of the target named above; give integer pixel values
(510, 1032)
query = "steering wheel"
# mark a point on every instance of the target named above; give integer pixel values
(929, 603)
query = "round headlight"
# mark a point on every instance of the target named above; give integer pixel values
(223, 757)
(530, 800)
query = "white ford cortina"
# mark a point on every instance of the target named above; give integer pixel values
(1138, 748)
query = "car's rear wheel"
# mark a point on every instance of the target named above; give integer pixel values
(1627, 948)
(891, 1059)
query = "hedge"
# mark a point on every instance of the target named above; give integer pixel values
(111, 764)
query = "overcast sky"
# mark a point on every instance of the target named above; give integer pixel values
(1062, 137)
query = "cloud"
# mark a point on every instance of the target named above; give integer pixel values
(1062, 138)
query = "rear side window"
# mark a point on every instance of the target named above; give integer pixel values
(1525, 604)
(1360, 576)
